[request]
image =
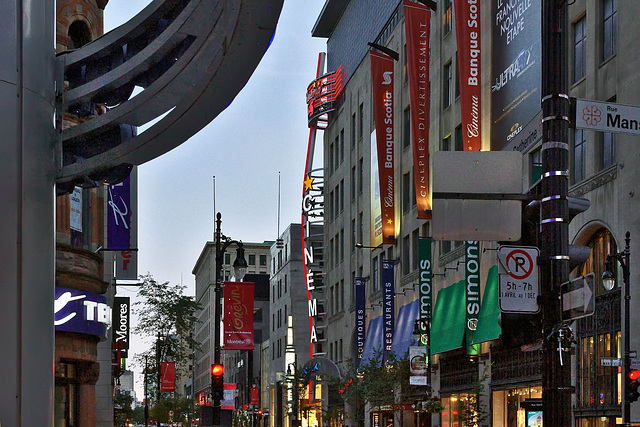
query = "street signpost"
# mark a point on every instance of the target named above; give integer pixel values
(607, 116)
(577, 297)
(518, 273)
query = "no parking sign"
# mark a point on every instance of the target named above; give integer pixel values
(518, 273)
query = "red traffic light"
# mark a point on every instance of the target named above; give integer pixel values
(634, 375)
(217, 370)
(259, 411)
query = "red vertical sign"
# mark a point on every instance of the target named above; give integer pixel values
(467, 14)
(238, 316)
(255, 396)
(417, 27)
(168, 376)
(382, 80)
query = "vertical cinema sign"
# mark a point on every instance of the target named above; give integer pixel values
(383, 98)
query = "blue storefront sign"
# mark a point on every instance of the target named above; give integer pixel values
(82, 312)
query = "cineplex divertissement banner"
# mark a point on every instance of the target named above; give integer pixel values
(417, 28)
(238, 315)
(467, 14)
(383, 94)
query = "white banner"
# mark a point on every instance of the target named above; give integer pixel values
(75, 207)
(418, 367)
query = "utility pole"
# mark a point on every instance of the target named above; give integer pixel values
(554, 224)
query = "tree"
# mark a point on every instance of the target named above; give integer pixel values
(175, 408)
(123, 409)
(474, 411)
(166, 313)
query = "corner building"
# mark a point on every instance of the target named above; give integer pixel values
(506, 364)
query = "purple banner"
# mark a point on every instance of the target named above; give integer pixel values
(359, 284)
(387, 307)
(81, 312)
(119, 216)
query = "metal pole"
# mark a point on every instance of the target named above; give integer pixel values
(556, 381)
(217, 313)
(624, 260)
(146, 394)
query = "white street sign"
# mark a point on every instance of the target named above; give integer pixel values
(518, 272)
(577, 297)
(610, 361)
(607, 116)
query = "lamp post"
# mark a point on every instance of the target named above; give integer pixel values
(240, 268)
(609, 282)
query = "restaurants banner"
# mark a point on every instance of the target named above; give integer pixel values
(417, 27)
(119, 216)
(418, 367)
(387, 307)
(359, 284)
(472, 300)
(467, 13)
(425, 289)
(168, 377)
(382, 80)
(238, 315)
(516, 64)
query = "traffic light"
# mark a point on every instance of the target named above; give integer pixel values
(217, 382)
(632, 385)
(260, 412)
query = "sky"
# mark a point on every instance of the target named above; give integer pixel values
(261, 135)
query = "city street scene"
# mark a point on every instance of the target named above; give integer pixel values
(320, 213)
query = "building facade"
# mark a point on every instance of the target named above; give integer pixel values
(602, 169)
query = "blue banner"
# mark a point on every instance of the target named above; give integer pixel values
(359, 284)
(119, 216)
(387, 307)
(82, 312)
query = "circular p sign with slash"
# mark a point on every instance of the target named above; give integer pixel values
(518, 273)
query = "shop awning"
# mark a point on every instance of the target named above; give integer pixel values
(403, 335)
(488, 327)
(373, 341)
(447, 324)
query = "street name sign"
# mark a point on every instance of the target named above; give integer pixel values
(610, 361)
(577, 297)
(518, 273)
(607, 116)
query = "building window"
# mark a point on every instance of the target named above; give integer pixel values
(360, 175)
(342, 245)
(353, 235)
(446, 17)
(415, 244)
(353, 183)
(263, 260)
(227, 259)
(456, 82)
(376, 274)
(579, 159)
(330, 206)
(360, 121)
(608, 149)
(342, 295)
(406, 124)
(252, 259)
(579, 49)
(406, 192)
(446, 143)
(360, 227)
(406, 248)
(609, 27)
(79, 34)
(447, 93)
(341, 146)
(331, 159)
(353, 131)
(342, 195)
(459, 141)
(330, 254)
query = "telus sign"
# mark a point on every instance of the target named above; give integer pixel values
(82, 312)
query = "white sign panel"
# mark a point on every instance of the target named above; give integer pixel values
(75, 207)
(607, 116)
(577, 297)
(518, 273)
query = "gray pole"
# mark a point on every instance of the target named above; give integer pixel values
(27, 230)
(556, 366)
(217, 318)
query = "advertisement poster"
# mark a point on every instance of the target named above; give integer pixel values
(238, 315)
(418, 365)
(228, 397)
(382, 78)
(168, 377)
(360, 300)
(517, 68)
(417, 28)
(467, 15)
(387, 307)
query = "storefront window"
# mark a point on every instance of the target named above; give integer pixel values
(508, 408)
(65, 395)
(453, 408)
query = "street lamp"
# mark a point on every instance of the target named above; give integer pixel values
(609, 281)
(240, 268)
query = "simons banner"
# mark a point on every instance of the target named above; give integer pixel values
(382, 80)
(467, 14)
(387, 307)
(417, 27)
(359, 284)
(168, 377)
(425, 290)
(238, 316)
(472, 300)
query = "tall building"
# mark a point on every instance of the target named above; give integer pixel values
(602, 169)
(258, 259)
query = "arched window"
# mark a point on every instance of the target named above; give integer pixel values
(79, 34)
(601, 244)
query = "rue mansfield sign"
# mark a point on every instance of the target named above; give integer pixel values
(607, 116)
(518, 273)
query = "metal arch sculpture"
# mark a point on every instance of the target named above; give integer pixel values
(191, 57)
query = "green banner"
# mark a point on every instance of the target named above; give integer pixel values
(425, 287)
(472, 293)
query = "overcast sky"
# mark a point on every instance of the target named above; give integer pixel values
(263, 132)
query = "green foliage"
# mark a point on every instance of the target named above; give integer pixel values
(123, 408)
(178, 404)
(474, 412)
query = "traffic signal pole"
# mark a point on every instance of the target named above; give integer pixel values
(554, 224)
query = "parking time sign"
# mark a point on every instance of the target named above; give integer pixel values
(518, 273)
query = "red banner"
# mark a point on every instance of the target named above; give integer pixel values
(238, 316)
(417, 27)
(168, 376)
(467, 14)
(382, 80)
(255, 396)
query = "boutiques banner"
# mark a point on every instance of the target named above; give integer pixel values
(467, 14)
(382, 66)
(387, 307)
(417, 23)
(359, 284)
(238, 316)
